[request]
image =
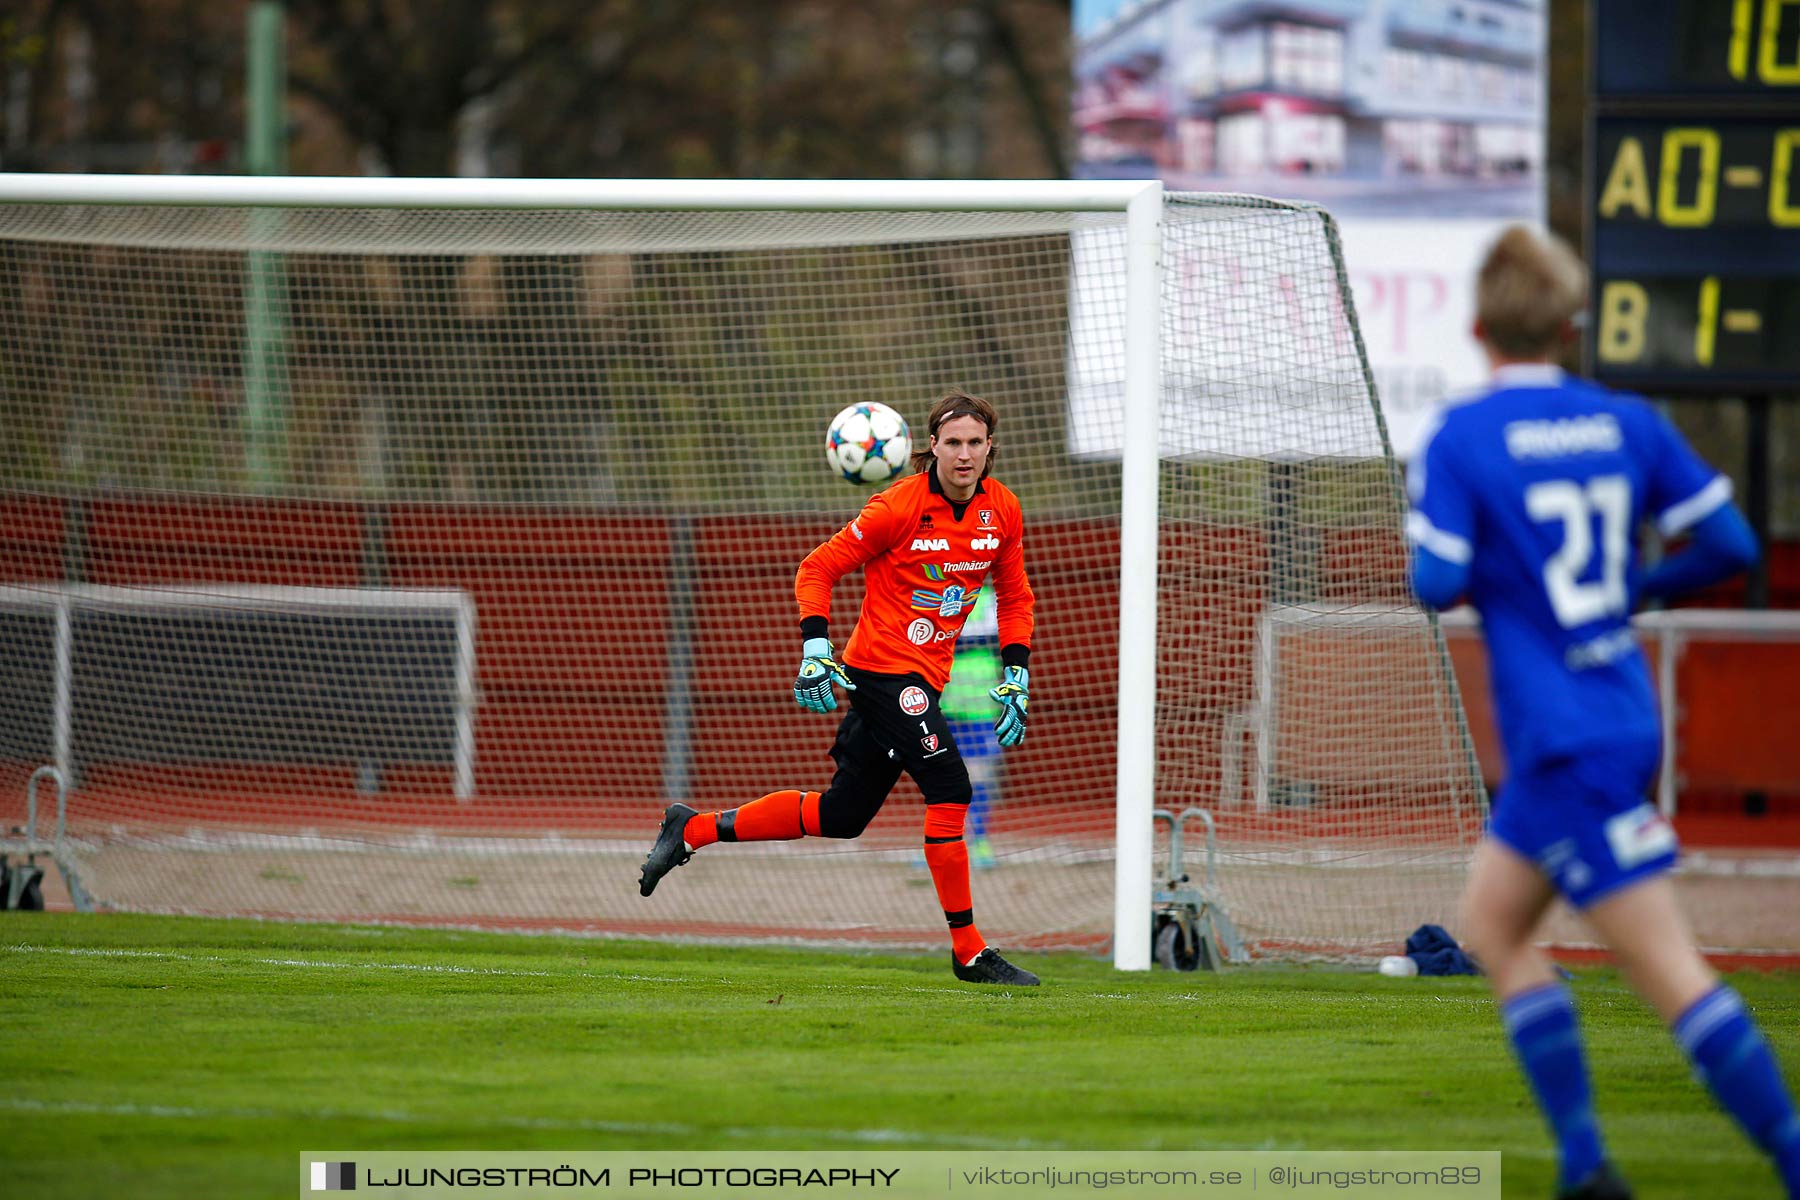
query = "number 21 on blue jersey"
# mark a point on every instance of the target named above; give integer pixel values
(1575, 504)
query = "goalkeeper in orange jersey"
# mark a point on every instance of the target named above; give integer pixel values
(924, 546)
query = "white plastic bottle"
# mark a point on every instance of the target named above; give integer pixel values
(1398, 965)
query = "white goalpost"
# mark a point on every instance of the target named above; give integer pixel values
(432, 535)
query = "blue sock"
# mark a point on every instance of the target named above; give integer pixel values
(1732, 1059)
(1541, 1023)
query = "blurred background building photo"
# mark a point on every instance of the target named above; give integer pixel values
(1420, 125)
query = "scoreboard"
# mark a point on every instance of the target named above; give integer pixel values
(1695, 47)
(1694, 194)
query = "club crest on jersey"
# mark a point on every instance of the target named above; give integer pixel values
(948, 603)
(986, 517)
(920, 632)
(914, 702)
(929, 741)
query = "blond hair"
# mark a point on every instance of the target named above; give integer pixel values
(952, 404)
(1531, 285)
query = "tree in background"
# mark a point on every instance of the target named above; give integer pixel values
(91, 85)
(547, 88)
(574, 88)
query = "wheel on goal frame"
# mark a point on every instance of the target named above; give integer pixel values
(1177, 945)
(31, 896)
(21, 886)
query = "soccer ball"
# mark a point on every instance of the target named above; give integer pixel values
(868, 443)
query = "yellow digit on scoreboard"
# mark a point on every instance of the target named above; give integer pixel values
(1706, 325)
(1738, 58)
(1769, 66)
(1676, 143)
(1624, 314)
(1782, 212)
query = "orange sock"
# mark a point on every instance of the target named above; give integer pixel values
(702, 830)
(776, 817)
(948, 857)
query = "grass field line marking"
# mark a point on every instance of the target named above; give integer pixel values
(1381, 1000)
(505, 972)
(884, 1137)
(436, 968)
(117, 952)
(430, 968)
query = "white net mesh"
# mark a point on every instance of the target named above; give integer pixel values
(404, 565)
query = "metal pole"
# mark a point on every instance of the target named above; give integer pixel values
(265, 309)
(1666, 650)
(63, 720)
(684, 627)
(465, 699)
(1757, 452)
(1138, 521)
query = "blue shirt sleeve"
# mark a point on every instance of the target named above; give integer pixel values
(1441, 525)
(1681, 490)
(1442, 519)
(1723, 544)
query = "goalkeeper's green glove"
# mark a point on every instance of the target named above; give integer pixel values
(1014, 695)
(812, 688)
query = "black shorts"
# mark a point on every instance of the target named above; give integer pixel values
(894, 724)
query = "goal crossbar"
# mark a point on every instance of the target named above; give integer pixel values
(638, 195)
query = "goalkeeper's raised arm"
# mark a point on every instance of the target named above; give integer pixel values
(925, 546)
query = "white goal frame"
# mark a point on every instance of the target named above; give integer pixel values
(1140, 200)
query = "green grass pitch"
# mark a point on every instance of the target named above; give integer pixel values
(149, 1057)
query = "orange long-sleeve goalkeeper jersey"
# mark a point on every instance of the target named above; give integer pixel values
(923, 563)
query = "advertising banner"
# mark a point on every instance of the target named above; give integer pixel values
(1419, 125)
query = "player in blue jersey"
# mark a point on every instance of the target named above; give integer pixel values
(1526, 499)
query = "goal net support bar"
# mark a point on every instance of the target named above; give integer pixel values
(377, 618)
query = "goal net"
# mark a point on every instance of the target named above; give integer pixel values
(401, 561)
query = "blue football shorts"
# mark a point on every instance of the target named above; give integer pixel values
(1584, 820)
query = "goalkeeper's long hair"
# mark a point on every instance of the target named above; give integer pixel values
(952, 404)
